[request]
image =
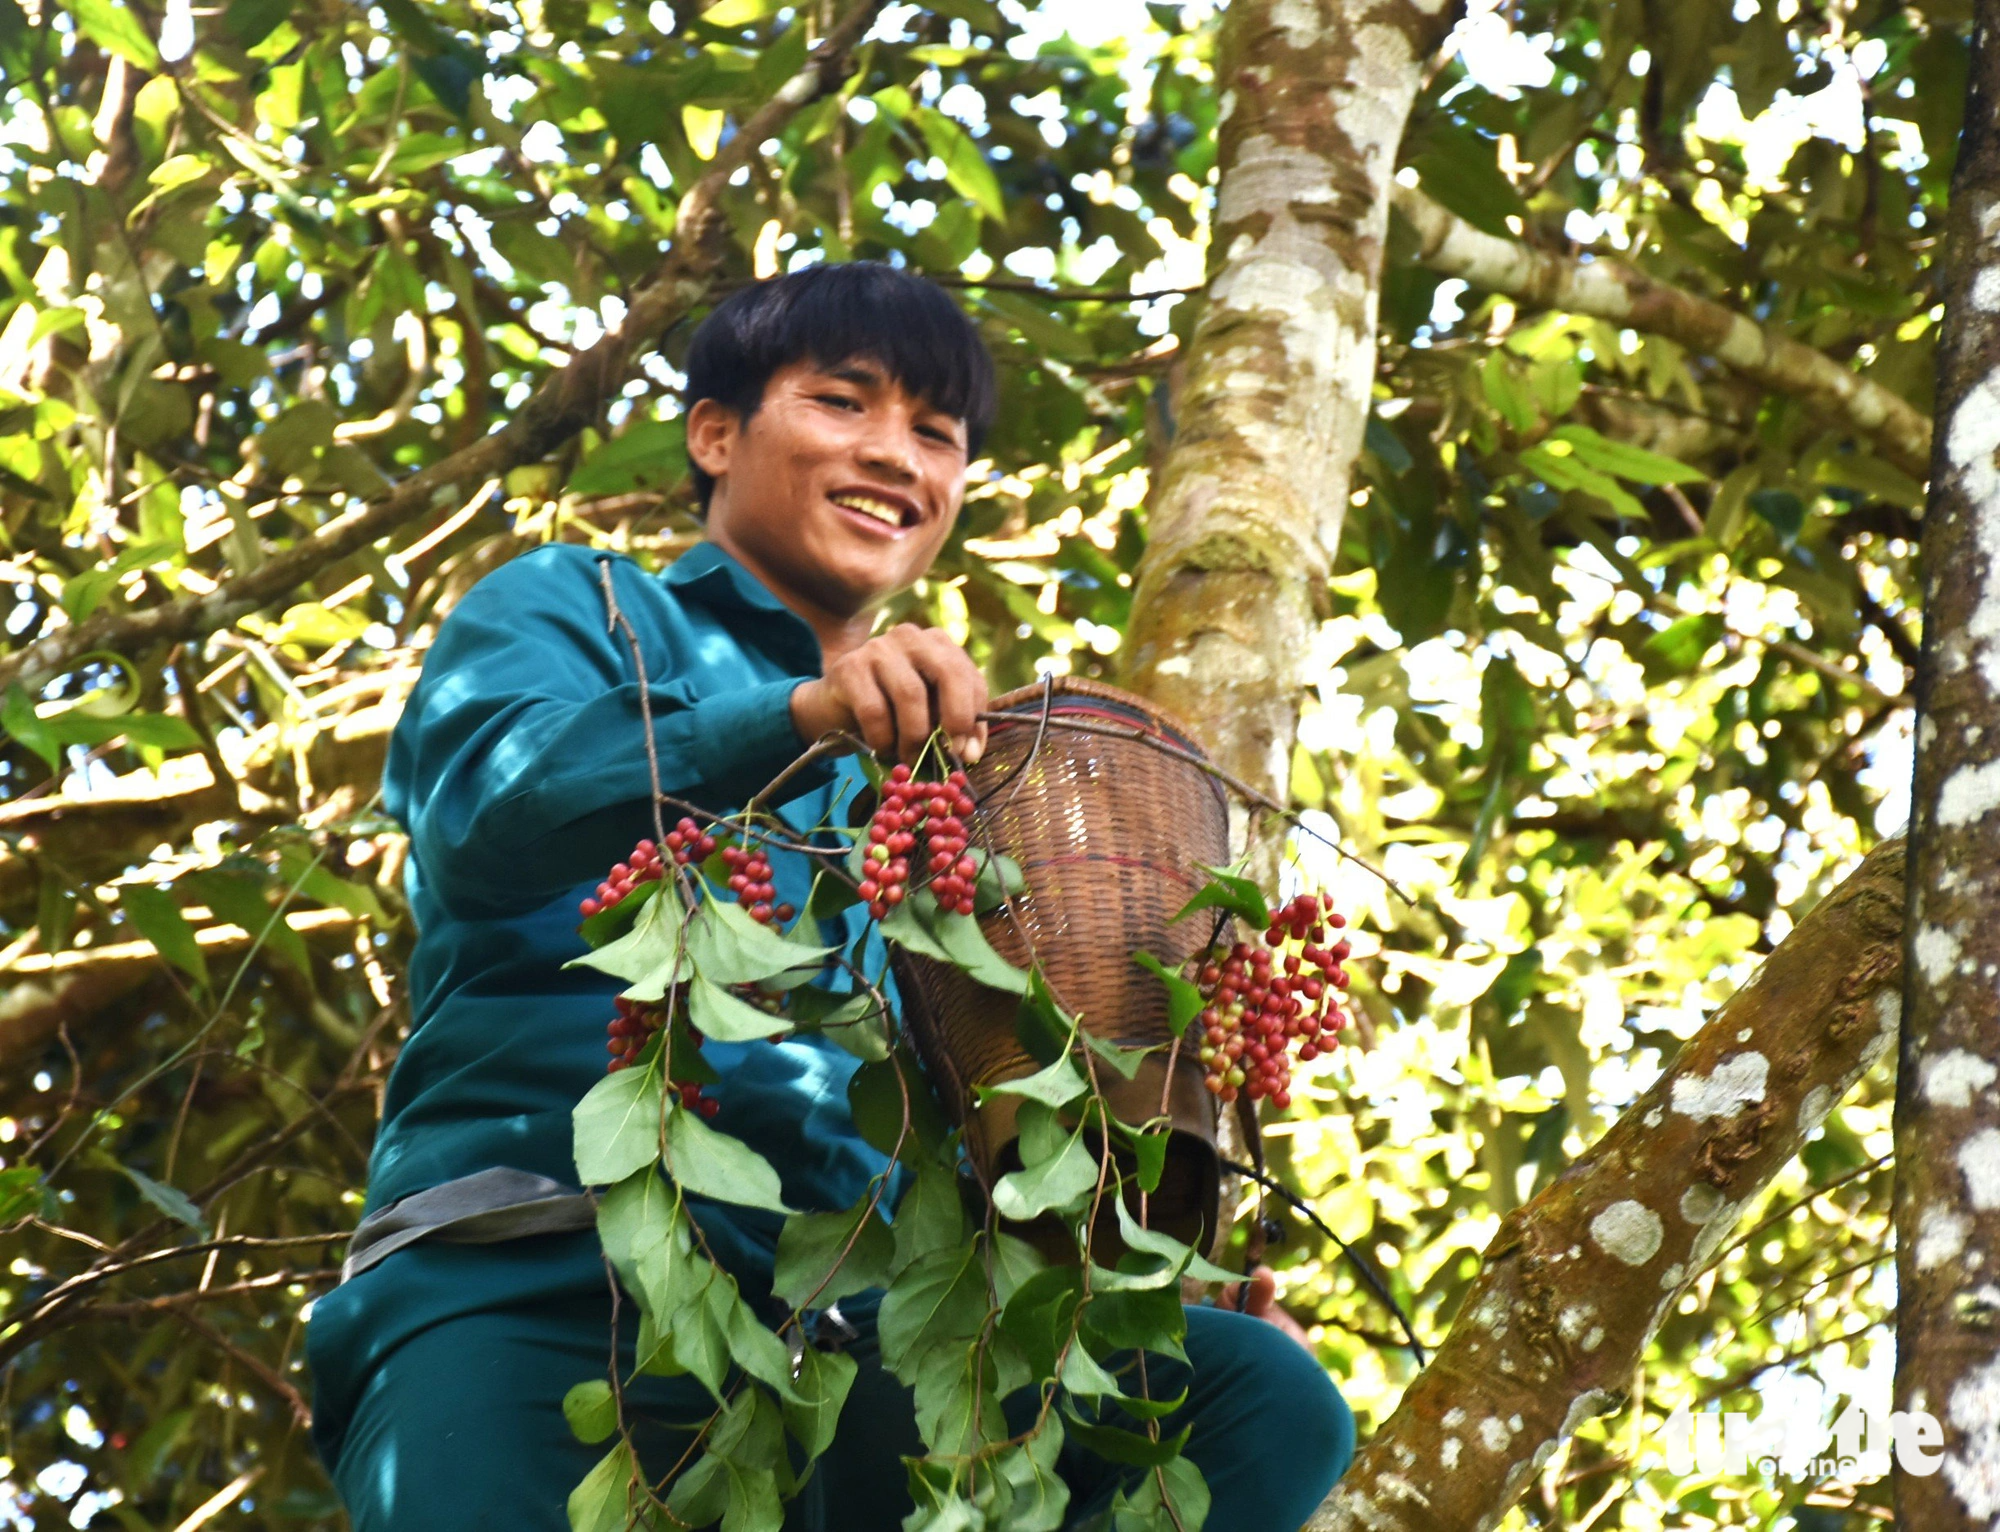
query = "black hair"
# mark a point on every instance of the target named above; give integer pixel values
(830, 314)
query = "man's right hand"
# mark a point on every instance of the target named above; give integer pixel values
(895, 691)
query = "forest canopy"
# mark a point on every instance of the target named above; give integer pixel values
(1608, 685)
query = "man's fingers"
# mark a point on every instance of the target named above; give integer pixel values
(959, 688)
(873, 716)
(908, 695)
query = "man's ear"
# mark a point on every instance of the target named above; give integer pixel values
(712, 432)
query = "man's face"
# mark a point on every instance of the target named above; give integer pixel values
(840, 488)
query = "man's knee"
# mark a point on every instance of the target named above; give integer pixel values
(1280, 1382)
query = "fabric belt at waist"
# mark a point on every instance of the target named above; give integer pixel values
(483, 1208)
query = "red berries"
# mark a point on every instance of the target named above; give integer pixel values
(1265, 998)
(750, 882)
(686, 842)
(930, 815)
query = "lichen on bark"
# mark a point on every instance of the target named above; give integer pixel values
(1947, 1197)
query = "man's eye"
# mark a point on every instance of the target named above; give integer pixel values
(937, 435)
(841, 401)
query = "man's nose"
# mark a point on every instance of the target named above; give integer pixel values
(892, 451)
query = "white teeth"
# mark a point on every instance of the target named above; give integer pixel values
(869, 506)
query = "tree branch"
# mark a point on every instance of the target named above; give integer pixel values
(1610, 289)
(568, 400)
(1577, 1280)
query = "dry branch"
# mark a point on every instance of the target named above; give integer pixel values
(567, 401)
(1577, 1280)
(40, 992)
(1609, 289)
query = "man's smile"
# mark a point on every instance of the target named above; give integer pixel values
(886, 507)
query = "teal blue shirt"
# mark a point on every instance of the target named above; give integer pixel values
(519, 769)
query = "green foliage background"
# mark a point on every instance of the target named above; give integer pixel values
(1615, 717)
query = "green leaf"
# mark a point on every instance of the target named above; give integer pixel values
(753, 1502)
(875, 1096)
(1174, 1495)
(999, 879)
(1229, 891)
(1056, 1085)
(728, 1019)
(698, 1331)
(616, 1126)
(700, 1494)
(155, 916)
(1043, 1027)
(756, 1350)
(931, 1216)
(20, 1192)
(591, 1410)
(1679, 646)
(728, 947)
(858, 1025)
(117, 29)
(20, 723)
(813, 1413)
(1557, 465)
(647, 454)
(647, 1242)
(716, 1165)
(653, 955)
(1183, 1259)
(1059, 1183)
(938, 1302)
(918, 925)
(164, 1198)
(601, 1503)
(1149, 1149)
(1184, 1001)
(1625, 460)
(964, 166)
(810, 1245)
(1121, 1058)
(1127, 1447)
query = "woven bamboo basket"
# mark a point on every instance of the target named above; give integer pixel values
(1107, 832)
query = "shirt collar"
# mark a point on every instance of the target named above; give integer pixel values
(710, 574)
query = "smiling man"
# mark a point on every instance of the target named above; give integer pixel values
(831, 414)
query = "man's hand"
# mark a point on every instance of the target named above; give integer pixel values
(894, 691)
(1262, 1303)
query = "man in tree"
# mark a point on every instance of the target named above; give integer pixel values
(831, 416)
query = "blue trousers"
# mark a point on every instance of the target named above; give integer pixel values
(460, 1429)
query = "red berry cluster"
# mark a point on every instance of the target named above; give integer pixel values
(1260, 1002)
(927, 814)
(630, 1029)
(642, 866)
(750, 882)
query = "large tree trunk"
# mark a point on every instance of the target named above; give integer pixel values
(1577, 1280)
(1947, 1108)
(1246, 518)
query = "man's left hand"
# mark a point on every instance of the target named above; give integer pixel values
(1262, 1303)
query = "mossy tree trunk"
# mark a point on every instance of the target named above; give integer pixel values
(1313, 96)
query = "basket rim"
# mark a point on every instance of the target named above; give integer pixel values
(1103, 691)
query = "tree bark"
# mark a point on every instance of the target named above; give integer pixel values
(1246, 518)
(1947, 1199)
(1609, 289)
(1577, 1280)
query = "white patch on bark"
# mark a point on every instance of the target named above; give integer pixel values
(1974, 1472)
(1971, 792)
(1403, 1489)
(1744, 1035)
(1813, 1109)
(1587, 1405)
(1628, 1231)
(1970, 445)
(1979, 1162)
(1453, 1418)
(1738, 1080)
(1593, 1338)
(1700, 1202)
(1671, 1277)
(1493, 1434)
(1940, 1237)
(1448, 1453)
(1300, 21)
(1572, 1321)
(1888, 1021)
(1937, 952)
(1985, 294)
(1953, 1079)
(1655, 1117)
